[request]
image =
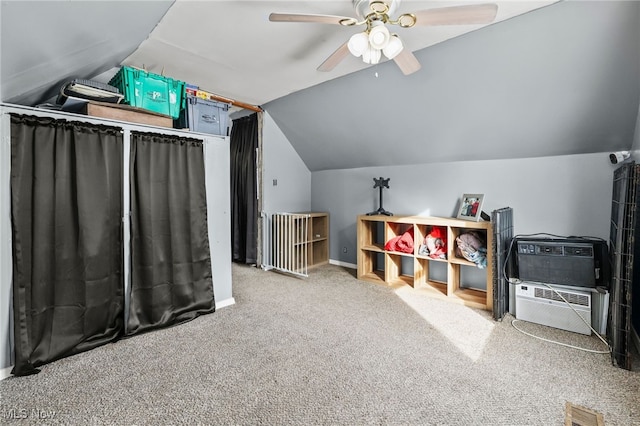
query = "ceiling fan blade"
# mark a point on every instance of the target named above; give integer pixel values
(458, 15)
(335, 58)
(308, 17)
(407, 62)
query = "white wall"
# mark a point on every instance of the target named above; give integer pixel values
(564, 195)
(5, 246)
(217, 174)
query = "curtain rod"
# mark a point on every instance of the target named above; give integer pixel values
(234, 102)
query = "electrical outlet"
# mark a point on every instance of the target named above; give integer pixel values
(275, 182)
(344, 249)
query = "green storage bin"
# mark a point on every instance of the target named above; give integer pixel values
(149, 91)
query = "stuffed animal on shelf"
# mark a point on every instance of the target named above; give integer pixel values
(471, 246)
(435, 243)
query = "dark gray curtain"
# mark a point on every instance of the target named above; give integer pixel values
(244, 198)
(171, 263)
(66, 210)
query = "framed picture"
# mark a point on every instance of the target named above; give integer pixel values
(471, 207)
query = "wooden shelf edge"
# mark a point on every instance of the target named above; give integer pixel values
(472, 297)
(321, 263)
(435, 259)
(402, 279)
(436, 287)
(375, 277)
(428, 220)
(399, 253)
(459, 261)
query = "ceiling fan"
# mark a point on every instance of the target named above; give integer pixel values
(376, 39)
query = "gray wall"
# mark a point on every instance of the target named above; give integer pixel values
(282, 163)
(563, 195)
(291, 193)
(47, 43)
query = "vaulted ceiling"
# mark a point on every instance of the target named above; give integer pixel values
(548, 78)
(560, 80)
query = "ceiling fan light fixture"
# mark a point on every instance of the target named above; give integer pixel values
(379, 37)
(393, 48)
(358, 44)
(371, 55)
(406, 20)
(378, 6)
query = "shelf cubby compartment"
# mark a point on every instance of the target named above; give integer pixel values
(319, 227)
(396, 229)
(318, 239)
(371, 266)
(455, 232)
(423, 278)
(421, 232)
(319, 252)
(371, 235)
(472, 297)
(397, 271)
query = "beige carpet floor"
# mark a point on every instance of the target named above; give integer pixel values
(328, 350)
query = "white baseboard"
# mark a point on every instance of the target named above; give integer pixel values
(5, 372)
(345, 264)
(224, 303)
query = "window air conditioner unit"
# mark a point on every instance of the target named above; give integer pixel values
(539, 304)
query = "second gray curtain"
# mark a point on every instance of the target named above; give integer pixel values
(244, 196)
(171, 278)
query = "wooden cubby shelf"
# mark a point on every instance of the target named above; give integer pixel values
(377, 265)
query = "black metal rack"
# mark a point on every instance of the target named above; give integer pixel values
(624, 242)
(502, 235)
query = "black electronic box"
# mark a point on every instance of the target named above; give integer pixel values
(576, 262)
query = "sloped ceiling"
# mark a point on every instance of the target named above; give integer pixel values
(231, 48)
(228, 47)
(560, 80)
(548, 78)
(47, 43)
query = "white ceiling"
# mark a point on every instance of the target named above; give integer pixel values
(229, 48)
(560, 78)
(232, 49)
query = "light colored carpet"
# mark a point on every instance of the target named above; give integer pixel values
(329, 350)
